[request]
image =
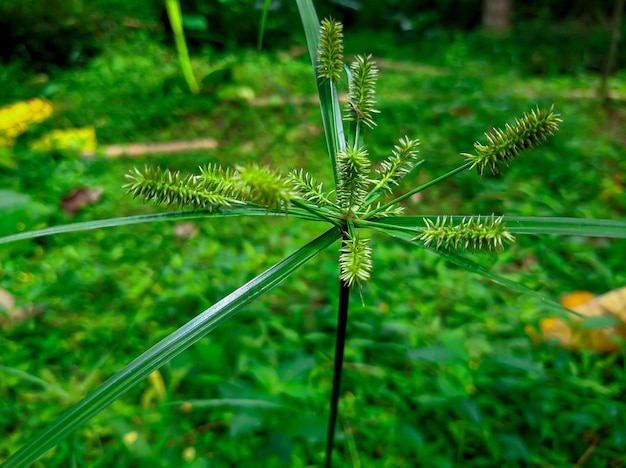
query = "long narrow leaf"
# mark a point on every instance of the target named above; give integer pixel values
(566, 226)
(175, 16)
(474, 267)
(329, 101)
(166, 349)
(266, 9)
(151, 218)
(196, 405)
(532, 225)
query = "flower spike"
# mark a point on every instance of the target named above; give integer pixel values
(362, 91)
(473, 233)
(505, 145)
(402, 161)
(309, 189)
(353, 167)
(355, 260)
(164, 187)
(330, 51)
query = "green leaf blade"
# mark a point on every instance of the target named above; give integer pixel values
(152, 218)
(529, 225)
(167, 349)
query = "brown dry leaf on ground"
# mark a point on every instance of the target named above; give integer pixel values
(76, 200)
(10, 315)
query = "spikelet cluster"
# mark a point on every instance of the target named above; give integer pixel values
(355, 260)
(504, 145)
(164, 187)
(473, 233)
(401, 162)
(362, 91)
(262, 186)
(353, 166)
(309, 189)
(330, 51)
(213, 187)
(393, 210)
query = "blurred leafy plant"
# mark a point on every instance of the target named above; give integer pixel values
(357, 202)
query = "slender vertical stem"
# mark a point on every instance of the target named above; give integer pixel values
(342, 322)
(175, 16)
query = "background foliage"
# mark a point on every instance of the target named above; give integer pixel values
(439, 369)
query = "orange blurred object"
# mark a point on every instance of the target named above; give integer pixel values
(570, 334)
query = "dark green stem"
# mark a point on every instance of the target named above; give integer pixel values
(342, 322)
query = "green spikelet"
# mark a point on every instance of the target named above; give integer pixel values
(353, 167)
(330, 51)
(362, 91)
(504, 145)
(309, 190)
(355, 260)
(393, 210)
(263, 186)
(402, 161)
(170, 188)
(473, 233)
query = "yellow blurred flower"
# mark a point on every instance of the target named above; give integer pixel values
(15, 118)
(83, 139)
(130, 438)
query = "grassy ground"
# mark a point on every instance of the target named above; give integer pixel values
(439, 371)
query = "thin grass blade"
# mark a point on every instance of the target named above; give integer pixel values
(35, 380)
(529, 225)
(151, 218)
(175, 16)
(197, 405)
(166, 349)
(566, 226)
(266, 9)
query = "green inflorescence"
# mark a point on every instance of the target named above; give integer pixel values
(402, 161)
(472, 233)
(353, 166)
(355, 201)
(310, 190)
(362, 91)
(504, 145)
(355, 260)
(330, 51)
(212, 187)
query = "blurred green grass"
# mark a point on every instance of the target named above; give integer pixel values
(439, 371)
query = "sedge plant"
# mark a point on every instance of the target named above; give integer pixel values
(362, 199)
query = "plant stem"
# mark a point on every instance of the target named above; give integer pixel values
(342, 322)
(386, 226)
(175, 17)
(462, 168)
(317, 212)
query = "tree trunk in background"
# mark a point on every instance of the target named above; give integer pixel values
(618, 13)
(497, 16)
